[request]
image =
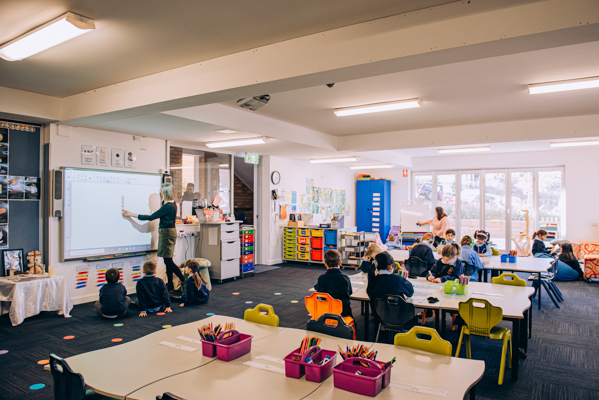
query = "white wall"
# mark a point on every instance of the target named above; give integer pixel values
(293, 177)
(581, 166)
(399, 188)
(65, 151)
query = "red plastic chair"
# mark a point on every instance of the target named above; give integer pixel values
(321, 303)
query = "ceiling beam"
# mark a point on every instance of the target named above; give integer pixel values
(453, 32)
(456, 136)
(28, 107)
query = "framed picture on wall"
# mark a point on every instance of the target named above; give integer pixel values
(3, 236)
(16, 188)
(4, 136)
(13, 259)
(32, 188)
(3, 159)
(3, 212)
(3, 187)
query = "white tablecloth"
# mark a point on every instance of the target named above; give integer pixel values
(32, 297)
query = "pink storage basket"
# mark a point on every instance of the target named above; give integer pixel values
(296, 365)
(228, 346)
(373, 380)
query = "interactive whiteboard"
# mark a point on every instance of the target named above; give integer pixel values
(411, 214)
(94, 200)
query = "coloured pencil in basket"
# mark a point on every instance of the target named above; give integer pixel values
(209, 332)
(308, 342)
(464, 280)
(358, 351)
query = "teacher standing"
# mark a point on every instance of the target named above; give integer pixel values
(167, 234)
(440, 224)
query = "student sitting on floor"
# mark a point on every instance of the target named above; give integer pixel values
(538, 245)
(424, 251)
(334, 282)
(568, 268)
(449, 267)
(196, 291)
(469, 256)
(383, 281)
(113, 301)
(391, 245)
(482, 246)
(371, 252)
(152, 295)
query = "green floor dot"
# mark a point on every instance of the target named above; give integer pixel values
(277, 294)
(118, 324)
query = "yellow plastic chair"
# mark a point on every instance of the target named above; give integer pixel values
(480, 318)
(255, 315)
(433, 345)
(515, 281)
(494, 251)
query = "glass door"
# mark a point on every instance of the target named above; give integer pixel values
(551, 201)
(470, 206)
(521, 200)
(423, 185)
(446, 196)
(495, 208)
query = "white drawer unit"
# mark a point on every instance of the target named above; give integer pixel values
(220, 244)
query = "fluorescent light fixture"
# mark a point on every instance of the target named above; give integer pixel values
(575, 144)
(237, 142)
(562, 86)
(465, 150)
(226, 131)
(378, 107)
(57, 31)
(371, 166)
(328, 160)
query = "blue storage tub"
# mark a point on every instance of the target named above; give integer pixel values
(329, 248)
(330, 238)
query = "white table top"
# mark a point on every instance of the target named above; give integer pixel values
(513, 300)
(522, 264)
(230, 380)
(119, 370)
(402, 255)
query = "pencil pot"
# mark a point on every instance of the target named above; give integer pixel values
(208, 349)
(512, 259)
(504, 258)
(449, 287)
(461, 289)
(232, 344)
(372, 379)
(296, 365)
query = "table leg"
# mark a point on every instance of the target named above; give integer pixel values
(530, 321)
(443, 325)
(524, 332)
(473, 393)
(539, 289)
(366, 320)
(437, 317)
(515, 347)
(484, 274)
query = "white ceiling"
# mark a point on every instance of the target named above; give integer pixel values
(134, 38)
(467, 93)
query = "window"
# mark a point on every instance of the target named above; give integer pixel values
(496, 201)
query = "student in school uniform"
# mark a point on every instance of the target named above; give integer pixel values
(152, 295)
(382, 281)
(482, 246)
(538, 244)
(114, 301)
(196, 291)
(469, 256)
(334, 282)
(371, 251)
(449, 267)
(391, 245)
(449, 239)
(424, 251)
(568, 268)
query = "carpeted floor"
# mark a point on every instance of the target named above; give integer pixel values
(562, 362)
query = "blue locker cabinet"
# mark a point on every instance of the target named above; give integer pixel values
(373, 208)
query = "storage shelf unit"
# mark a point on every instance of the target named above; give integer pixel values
(308, 244)
(247, 234)
(352, 247)
(552, 232)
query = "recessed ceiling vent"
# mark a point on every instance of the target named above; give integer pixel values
(254, 103)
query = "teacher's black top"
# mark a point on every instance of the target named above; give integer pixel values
(167, 214)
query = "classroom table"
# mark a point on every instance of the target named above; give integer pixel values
(403, 255)
(234, 380)
(30, 297)
(120, 370)
(513, 300)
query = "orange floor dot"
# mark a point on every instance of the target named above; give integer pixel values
(69, 337)
(236, 294)
(43, 362)
(117, 340)
(264, 312)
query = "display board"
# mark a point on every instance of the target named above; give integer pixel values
(411, 214)
(94, 200)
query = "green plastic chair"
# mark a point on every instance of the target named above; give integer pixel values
(515, 281)
(434, 345)
(480, 318)
(255, 315)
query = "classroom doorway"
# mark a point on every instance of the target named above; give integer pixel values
(244, 185)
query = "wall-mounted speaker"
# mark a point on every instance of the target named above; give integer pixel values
(57, 183)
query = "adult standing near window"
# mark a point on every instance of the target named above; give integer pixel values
(167, 234)
(440, 224)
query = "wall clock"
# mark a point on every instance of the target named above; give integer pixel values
(275, 177)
